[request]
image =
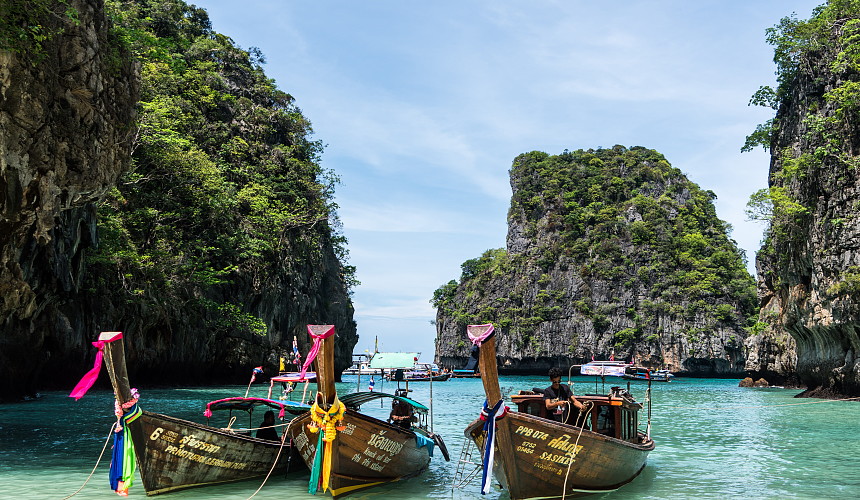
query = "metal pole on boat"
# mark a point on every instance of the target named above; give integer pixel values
(431, 398)
(648, 397)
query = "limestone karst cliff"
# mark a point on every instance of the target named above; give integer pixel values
(205, 235)
(609, 251)
(66, 128)
(809, 264)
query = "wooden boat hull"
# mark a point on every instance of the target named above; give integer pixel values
(545, 453)
(174, 454)
(369, 452)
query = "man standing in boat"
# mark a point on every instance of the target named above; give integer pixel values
(558, 396)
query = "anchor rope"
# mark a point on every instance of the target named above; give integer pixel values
(277, 457)
(575, 445)
(110, 435)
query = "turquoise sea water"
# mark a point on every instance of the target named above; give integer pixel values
(714, 440)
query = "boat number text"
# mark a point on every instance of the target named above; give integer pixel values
(190, 441)
(526, 447)
(188, 446)
(526, 431)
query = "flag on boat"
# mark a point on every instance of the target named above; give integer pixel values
(257, 371)
(297, 358)
(372, 383)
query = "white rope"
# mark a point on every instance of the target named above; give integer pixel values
(277, 457)
(575, 445)
(110, 434)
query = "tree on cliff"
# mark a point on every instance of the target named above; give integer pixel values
(809, 267)
(226, 209)
(608, 250)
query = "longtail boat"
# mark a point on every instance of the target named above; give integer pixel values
(347, 450)
(172, 453)
(533, 456)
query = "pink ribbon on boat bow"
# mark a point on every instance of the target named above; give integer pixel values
(91, 376)
(478, 339)
(316, 347)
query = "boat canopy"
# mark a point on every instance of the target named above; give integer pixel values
(393, 360)
(356, 399)
(294, 377)
(604, 368)
(248, 404)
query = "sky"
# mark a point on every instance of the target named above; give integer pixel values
(423, 106)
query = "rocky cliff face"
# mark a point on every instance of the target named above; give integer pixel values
(609, 252)
(810, 264)
(67, 125)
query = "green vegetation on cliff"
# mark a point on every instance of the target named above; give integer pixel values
(809, 279)
(609, 240)
(225, 187)
(813, 136)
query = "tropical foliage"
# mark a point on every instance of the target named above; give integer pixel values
(619, 218)
(225, 185)
(818, 99)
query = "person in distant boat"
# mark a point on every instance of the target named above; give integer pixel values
(558, 397)
(267, 429)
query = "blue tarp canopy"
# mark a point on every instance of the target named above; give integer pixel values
(356, 399)
(393, 360)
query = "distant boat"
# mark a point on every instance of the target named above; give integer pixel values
(361, 366)
(463, 373)
(174, 454)
(471, 368)
(420, 372)
(535, 457)
(347, 450)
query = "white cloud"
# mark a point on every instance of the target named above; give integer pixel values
(424, 106)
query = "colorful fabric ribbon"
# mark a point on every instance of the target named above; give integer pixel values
(318, 338)
(478, 339)
(91, 376)
(325, 422)
(489, 416)
(123, 460)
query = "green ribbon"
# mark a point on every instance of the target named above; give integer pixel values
(314, 481)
